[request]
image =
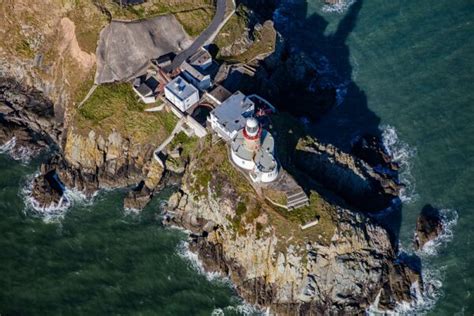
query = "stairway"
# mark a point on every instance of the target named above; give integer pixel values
(296, 199)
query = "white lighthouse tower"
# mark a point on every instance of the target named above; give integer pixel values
(252, 149)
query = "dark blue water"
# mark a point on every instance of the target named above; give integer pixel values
(407, 70)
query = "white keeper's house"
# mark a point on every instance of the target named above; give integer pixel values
(230, 116)
(181, 94)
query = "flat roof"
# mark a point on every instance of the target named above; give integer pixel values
(264, 157)
(229, 113)
(181, 88)
(192, 71)
(220, 93)
(200, 57)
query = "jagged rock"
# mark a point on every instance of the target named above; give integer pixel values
(344, 276)
(428, 226)
(138, 198)
(371, 149)
(349, 177)
(47, 189)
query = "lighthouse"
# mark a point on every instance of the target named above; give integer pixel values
(252, 149)
(252, 133)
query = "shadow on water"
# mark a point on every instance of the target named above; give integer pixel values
(326, 94)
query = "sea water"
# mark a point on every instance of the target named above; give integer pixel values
(407, 67)
(401, 67)
(93, 258)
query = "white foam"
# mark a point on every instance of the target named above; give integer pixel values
(54, 212)
(423, 299)
(193, 259)
(242, 308)
(449, 219)
(340, 7)
(403, 155)
(8, 146)
(19, 153)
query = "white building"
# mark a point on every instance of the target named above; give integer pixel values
(181, 93)
(252, 149)
(229, 117)
(199, 79)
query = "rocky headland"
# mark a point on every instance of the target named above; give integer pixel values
(341, 265)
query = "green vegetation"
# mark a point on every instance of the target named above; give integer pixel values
(23, 48)
(236, 27)
(195, 21)
(187, 144)
(116, 107)
(288, 222)
(89, 21)
(194, 15)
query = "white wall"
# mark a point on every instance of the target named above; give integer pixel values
(185, 104)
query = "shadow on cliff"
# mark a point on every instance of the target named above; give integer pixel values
(324, 92)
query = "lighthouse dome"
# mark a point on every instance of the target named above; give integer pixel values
(251, 127)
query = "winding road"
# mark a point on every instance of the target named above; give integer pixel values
(207, 35)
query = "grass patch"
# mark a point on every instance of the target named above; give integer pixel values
(187, 144)
(152, 8)
(195, 21)
(116, 107)
(317, 208)
(234, 28)
(23, 48)
(264, 43)
(89, 21)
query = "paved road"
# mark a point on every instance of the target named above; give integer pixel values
(216, 24)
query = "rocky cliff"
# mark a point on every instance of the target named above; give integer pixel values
(343, 264)
(349, 177)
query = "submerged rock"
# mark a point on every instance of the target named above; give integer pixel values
(429, 226)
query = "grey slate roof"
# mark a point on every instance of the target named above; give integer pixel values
(229, 112)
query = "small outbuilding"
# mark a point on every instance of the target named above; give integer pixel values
(201, 59)
(200, 80)
(147, 88)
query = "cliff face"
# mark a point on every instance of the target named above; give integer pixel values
(291, 273)
(349, 177)
(342, 264)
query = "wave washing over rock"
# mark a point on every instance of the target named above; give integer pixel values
(53, 212)
(403, 155)
(449, 219)
(185, 253)
(340, 7)
(16, 152)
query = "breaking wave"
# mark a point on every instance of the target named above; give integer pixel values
(449, 219)
(17, 152)
(424, 297)
(56, 211)
(403, 155)
(340, 7)
(240, 309)
(193, 259)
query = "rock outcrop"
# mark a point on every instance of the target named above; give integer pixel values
(429, 226)
(292, 275)
(349, 177)
(27, 115)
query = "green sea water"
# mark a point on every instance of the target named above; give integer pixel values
(406, 69)
(413, 62)
(97, 260)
